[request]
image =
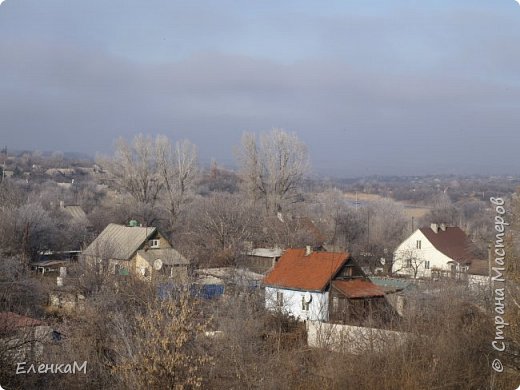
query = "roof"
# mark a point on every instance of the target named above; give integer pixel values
(169, 256)
(294, 270)
(119, 242)
(358, 288)
(452, 242)
(76, 212)
(304, 226)
(230, 272)
(390, 284)
(48, 263)
(265, 252)
(11, 321)
(224, 275)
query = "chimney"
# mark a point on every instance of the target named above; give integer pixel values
(443, 227)
(435, 228)
(308, 250)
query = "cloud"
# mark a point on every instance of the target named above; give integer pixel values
(396, 92)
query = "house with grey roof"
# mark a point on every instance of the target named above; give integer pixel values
(260, 260)
(75, 212)
(141, 251)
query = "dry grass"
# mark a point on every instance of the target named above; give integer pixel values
(410, 209)
(416, 212)
(363, 197)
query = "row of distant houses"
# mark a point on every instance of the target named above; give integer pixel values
(433, 252)
(305, 283)
(309, 284)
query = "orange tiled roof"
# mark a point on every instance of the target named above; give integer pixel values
(358, 288)
(313, 272)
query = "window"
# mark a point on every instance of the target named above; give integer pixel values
(418, 244)
(154, 243)
(167, 270)
(122, 270)
(305, 305)
(348, 271)
(427, 264)
(408, 263)
(279, 299)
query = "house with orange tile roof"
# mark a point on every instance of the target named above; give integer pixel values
(320, 286)
(433, 250)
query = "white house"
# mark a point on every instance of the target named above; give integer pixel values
(436, 248)
(309, 285)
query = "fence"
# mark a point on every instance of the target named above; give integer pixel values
(352, 339)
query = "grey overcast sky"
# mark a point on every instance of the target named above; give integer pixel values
(372, 87)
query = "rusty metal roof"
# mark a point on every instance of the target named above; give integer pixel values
(358, 288)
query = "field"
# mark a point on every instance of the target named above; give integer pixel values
(410, 210)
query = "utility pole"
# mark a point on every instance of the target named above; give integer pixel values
(368, 229)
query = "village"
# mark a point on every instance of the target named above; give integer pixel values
(111, 262)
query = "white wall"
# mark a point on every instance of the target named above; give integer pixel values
(438, 260)
(352, 339)
(479, 281)
(292, 303)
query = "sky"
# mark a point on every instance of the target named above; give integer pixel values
(371, 87)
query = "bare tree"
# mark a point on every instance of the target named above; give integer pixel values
(25, 230)
(443, 211)
(222, 222)
(408, 260)
(178, 169)
(134, 168)
(328, 208)
(11, 195)
(273, 167)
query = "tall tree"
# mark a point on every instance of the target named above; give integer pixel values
(147, 168)
(134, 168)
(178, 169)
(272, 168)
